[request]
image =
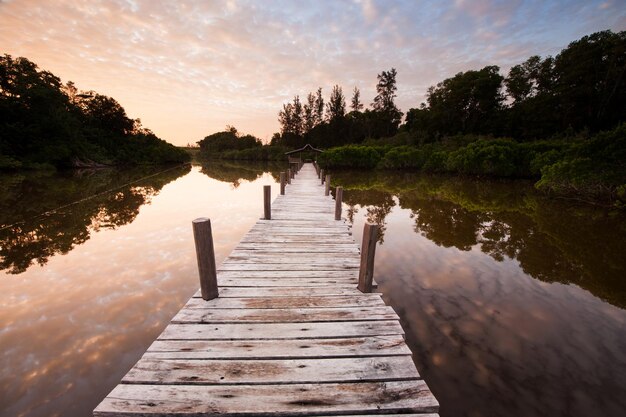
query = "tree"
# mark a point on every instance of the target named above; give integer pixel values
(285, 118)
(336, 107)
(590, 81)
(466, 103)
(355, 103)
(319, 107)
(384, 102)
(105, 113)
(309, 113)
(297, 117)
(530, 86)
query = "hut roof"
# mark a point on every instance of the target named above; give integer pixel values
(304, 148)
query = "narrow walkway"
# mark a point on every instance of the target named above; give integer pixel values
(289, 335)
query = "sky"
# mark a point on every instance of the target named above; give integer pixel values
(189, 68)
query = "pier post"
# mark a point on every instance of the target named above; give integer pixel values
(205, 254)
(327, 186)
(338, 198)
(282, 183)
(368, 250)
(322, 176)
(289, 176)
(267, 204)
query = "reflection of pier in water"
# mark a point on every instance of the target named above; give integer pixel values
(289, 335)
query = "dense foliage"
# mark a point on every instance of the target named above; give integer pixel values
(229, 144)
(44, 122)
(593, 167)
(583, 87)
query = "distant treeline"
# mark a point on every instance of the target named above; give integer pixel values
(46, 123)
(558, 119)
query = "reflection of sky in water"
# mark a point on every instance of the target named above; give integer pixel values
(72, 329)
(491, 340)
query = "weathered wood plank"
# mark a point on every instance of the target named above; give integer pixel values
(300, 315)
(268, 400)
(236, 292)
(391, 345)
(232, 331)
(312, 261)
(287, 302)
(345, 273)
(277, 371)
(285, 267)
(284, 248)
(287, 282)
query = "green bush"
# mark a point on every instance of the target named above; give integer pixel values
(350, 156)
(500, 157)
(8, 163)
(594, 168)
(436, 162)
(403, 157)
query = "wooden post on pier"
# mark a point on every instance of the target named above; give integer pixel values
(205, 254)
(282, 183)
(322, 176)
(327, 186)
(289, 176)
(267, 201)
(368, 250)
(338, 198)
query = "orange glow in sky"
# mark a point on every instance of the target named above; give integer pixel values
(189, 68)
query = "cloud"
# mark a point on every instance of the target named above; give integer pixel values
(189, 68)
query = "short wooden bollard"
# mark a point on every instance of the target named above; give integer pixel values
(368, 251)
(267, 203)
(327, 186)
(338, 198)
(282, 183)
(322, 176)
(289, 176)
(205, 254)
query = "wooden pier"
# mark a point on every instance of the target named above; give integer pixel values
(289, 335)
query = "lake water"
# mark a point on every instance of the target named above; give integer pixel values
(513, 304)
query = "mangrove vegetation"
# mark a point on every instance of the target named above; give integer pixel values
(45, 123)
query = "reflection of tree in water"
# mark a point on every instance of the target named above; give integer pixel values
(552, 240)
(59, 231)
(235, 172)
(350, 212)
(445, 224)
(378, 205)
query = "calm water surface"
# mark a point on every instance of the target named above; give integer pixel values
(513, 304)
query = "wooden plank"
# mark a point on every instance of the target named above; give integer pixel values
(268, 400)
(277, 371)
(287, 302)
(232, 331)
(285, 267)
(224, 282)
(235, 292)
(283, 248)
(391, 345)
(315, 260)
(345, 273)
(299, 315)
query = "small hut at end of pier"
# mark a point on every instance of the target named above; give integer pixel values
(310, 153)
